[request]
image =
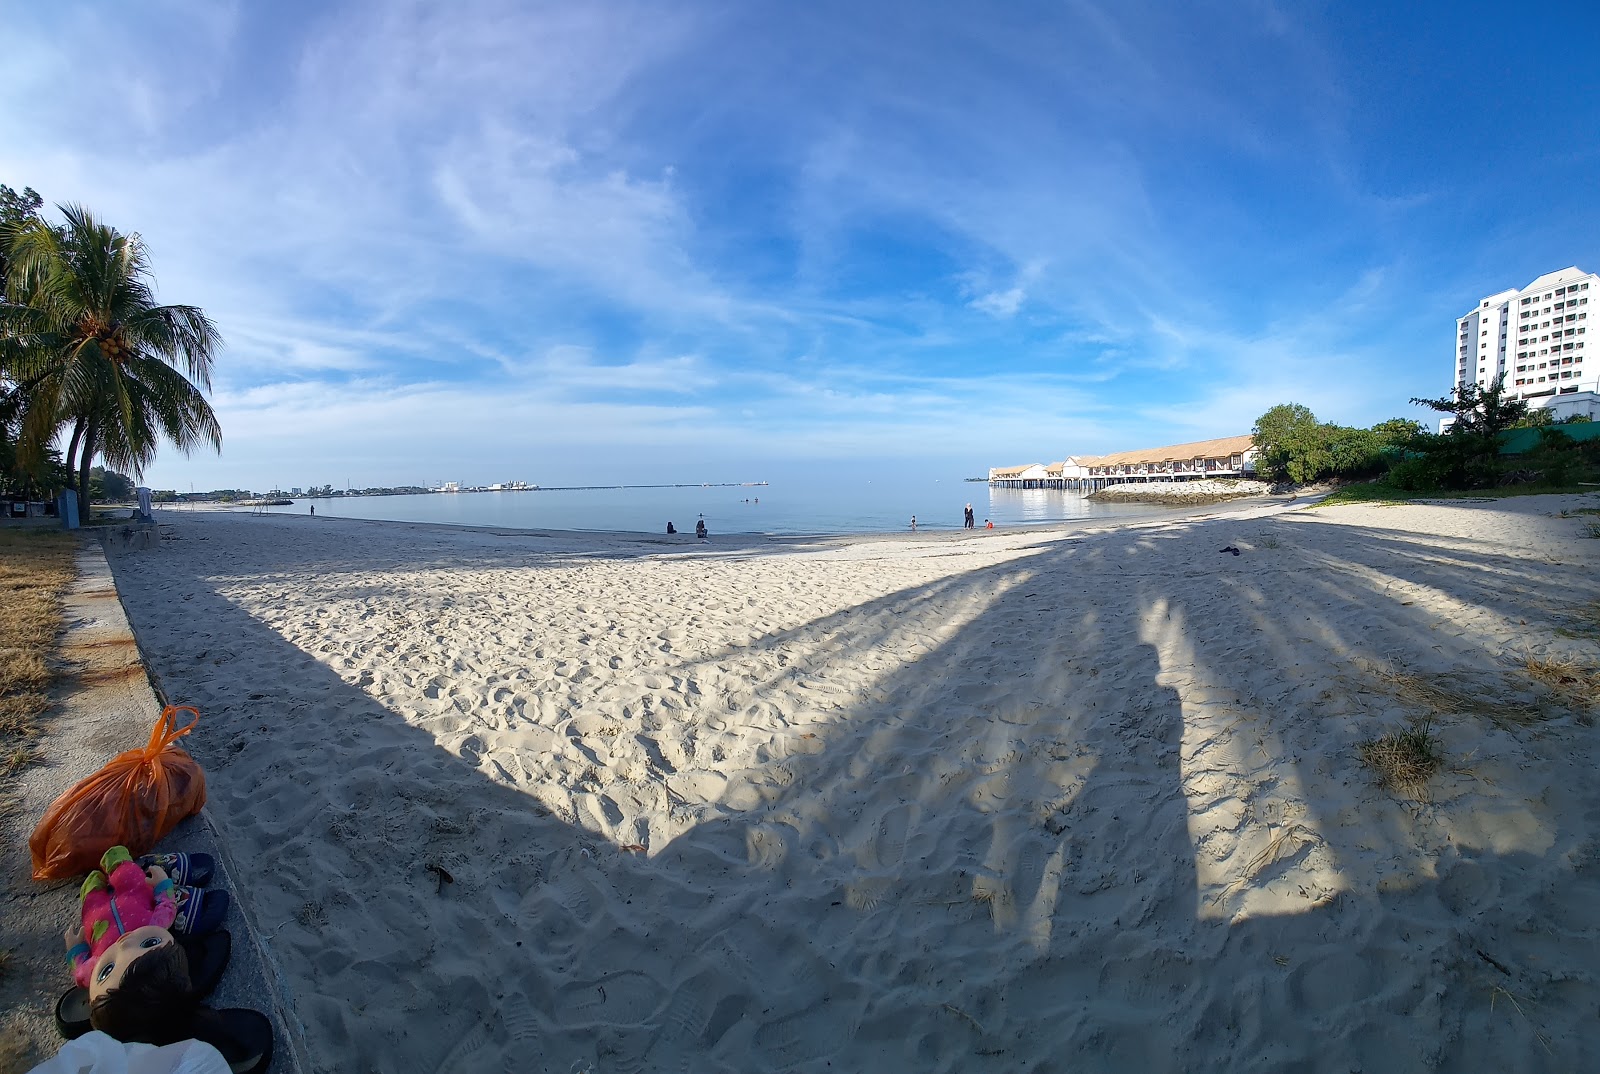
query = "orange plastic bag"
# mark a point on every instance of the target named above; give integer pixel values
(133, 801)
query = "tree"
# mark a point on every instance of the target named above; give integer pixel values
(108, 486)
(1292, 444)
(91, 350)
(1286, 439)
(1399, 433)
(1484, 412)
(1467, 456)
(15, 211)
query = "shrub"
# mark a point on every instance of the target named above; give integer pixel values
(1416, 474)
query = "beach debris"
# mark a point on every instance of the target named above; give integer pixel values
(635, 848)
(1229, 548)
(959, 1013)
(442, 873)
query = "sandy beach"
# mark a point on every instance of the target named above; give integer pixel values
(1069, 799)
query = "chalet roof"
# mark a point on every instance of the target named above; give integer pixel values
(1220, 448)
(1010, 471)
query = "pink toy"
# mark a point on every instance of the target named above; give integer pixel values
(118, 898)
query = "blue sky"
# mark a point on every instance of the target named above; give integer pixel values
(609, 242)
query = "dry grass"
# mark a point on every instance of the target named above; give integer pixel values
(1441, 695)
(1592, 529)
(1577, 686)
(1564, 676)
(1404, 761)
(1498, 992)
(36, 566)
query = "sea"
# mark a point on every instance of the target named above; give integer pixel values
(788, 507)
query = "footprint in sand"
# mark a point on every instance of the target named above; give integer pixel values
(627, 998)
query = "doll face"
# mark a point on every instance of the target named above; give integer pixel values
(115, 960)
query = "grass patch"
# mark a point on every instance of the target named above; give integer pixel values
(1378, 492)
(1442, 696)
(1404, 761)
(1366, 492)
(1592, 529)
(36, 567)
(1575, 684)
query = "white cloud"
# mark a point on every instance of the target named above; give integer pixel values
(1000, 303)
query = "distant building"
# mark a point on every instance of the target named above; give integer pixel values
(1229, 456)
(1535, 337)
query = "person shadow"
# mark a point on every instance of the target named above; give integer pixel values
(1062, 811)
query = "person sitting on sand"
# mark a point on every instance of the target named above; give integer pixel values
(700, 529)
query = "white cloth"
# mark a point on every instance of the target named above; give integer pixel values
(144, 502)
(96, 1053)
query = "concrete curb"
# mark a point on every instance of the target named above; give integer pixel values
(106, 704)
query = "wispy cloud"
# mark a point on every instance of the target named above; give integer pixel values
(814, 229)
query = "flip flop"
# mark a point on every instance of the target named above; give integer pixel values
(185, 870)
(243, 1036)
(200, 911)
(208, 957)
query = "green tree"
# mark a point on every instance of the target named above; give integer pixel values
(1467, 456)
(1399, 433)
(1287, 439)
(90, 349)
(108, 486)
(1291, 444)
(15, 211)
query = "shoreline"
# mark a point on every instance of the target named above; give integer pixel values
(1160, 513)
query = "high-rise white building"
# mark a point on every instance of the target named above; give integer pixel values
(1537, 338)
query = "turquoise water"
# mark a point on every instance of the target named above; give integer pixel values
(782, 507)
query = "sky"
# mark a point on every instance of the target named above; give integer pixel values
(617, 242)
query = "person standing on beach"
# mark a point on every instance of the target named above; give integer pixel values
(967, 518)
(313, 510)
(913, 523)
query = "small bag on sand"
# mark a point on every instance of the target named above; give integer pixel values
(133, 801)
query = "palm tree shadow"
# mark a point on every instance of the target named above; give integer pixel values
(1014, 840)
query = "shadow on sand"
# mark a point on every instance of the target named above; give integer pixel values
(1070, 824)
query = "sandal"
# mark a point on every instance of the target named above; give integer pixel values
(199, 911)
(184, 870)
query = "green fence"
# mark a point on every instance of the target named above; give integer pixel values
(1519, 441)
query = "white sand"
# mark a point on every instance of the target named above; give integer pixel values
(1018, 801)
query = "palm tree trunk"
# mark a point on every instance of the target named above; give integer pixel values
(72, 450)
(89, 448)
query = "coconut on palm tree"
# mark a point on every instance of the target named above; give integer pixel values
(86, 346)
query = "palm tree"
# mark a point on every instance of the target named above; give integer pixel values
(87, 346)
